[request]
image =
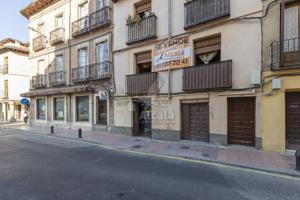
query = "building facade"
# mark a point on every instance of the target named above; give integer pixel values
(188, 70)
(14, 78)
(281, 75)
(70, 53)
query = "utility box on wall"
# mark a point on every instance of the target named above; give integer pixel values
(255, 77)
(276, 83)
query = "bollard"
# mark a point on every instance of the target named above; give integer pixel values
(297, 160)
(52, 129)
(79, 133)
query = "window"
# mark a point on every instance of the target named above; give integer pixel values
(40, 28)
(82, 109)
(143, 8)
(207, 50)
(41, 109)
(102, 58)
(5, 88)
(143, 62)
(59, 21)
(41, 67)
(59, 63)
(83, 10)
(100, 4)
(59, 108)
(102, 112)
(83, 62)
(291, 27)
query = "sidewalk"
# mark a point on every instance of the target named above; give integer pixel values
(230, 155)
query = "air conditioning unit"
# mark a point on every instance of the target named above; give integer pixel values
(276, 83)
(255, 77)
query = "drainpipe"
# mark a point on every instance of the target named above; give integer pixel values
(70, 61)
(169, 37)
(281, 43)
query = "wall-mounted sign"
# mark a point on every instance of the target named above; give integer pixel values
(103, 95)
(172, 54)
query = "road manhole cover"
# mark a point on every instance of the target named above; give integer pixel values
(185, 147)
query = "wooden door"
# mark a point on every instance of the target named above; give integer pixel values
(241, 121)
(293, 121)
(195, 122)
(135, 118)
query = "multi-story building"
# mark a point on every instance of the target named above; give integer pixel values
(14, 78)
(281, 75)
(188, 70)
(70, 52)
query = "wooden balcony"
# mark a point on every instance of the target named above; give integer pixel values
(202, 11)
(3, 69)
(142, 84)
(93, 72)
(81, 26)
(38, 81)
(290, 56)
(100, 18)
(143, 30)
(208, 77)
(57, 36)
(39, 43)
(57, 78)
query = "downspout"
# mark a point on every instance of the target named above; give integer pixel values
(169, 37)
(70, 62)
(281, 43)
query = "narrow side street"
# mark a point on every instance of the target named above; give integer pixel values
(45, 168)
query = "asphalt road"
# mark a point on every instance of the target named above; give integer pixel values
(45, 168)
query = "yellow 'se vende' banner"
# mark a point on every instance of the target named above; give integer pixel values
(172, 54)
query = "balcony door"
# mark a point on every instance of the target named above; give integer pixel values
(83, 63)
(59, 68)
(102, 58)
(59, 21)
(83, 11)
(41, 67)
(100, 4)
(291, 32)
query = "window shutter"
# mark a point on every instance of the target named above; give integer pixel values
(144, 57)
(207, 45)
(142, 6)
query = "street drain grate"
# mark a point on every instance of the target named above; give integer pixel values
(185, 147)
(137, 146)
(205, 155)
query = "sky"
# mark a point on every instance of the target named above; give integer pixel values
(12, 23)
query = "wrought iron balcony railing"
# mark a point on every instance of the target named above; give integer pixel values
(97, 71)
(208, 77)
(3, 69)
(57, 78)
(288, 57)
(81, 26)
(143, 30)
(57, 36)
(39, 43)
(38, 81)
(100, 18)
(139, 84)
(201, 11)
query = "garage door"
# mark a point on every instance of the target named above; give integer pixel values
(241, 121)
(293, 121)
(195, 122)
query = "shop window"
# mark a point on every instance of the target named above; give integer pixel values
(143, 62)
(207, 50)
(102, 111)
(59, 108)
(41, 109)
(82, 109)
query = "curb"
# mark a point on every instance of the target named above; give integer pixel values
(211, 162)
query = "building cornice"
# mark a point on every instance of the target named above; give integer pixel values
(36, 6)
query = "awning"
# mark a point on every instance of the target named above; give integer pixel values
(56, 91)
